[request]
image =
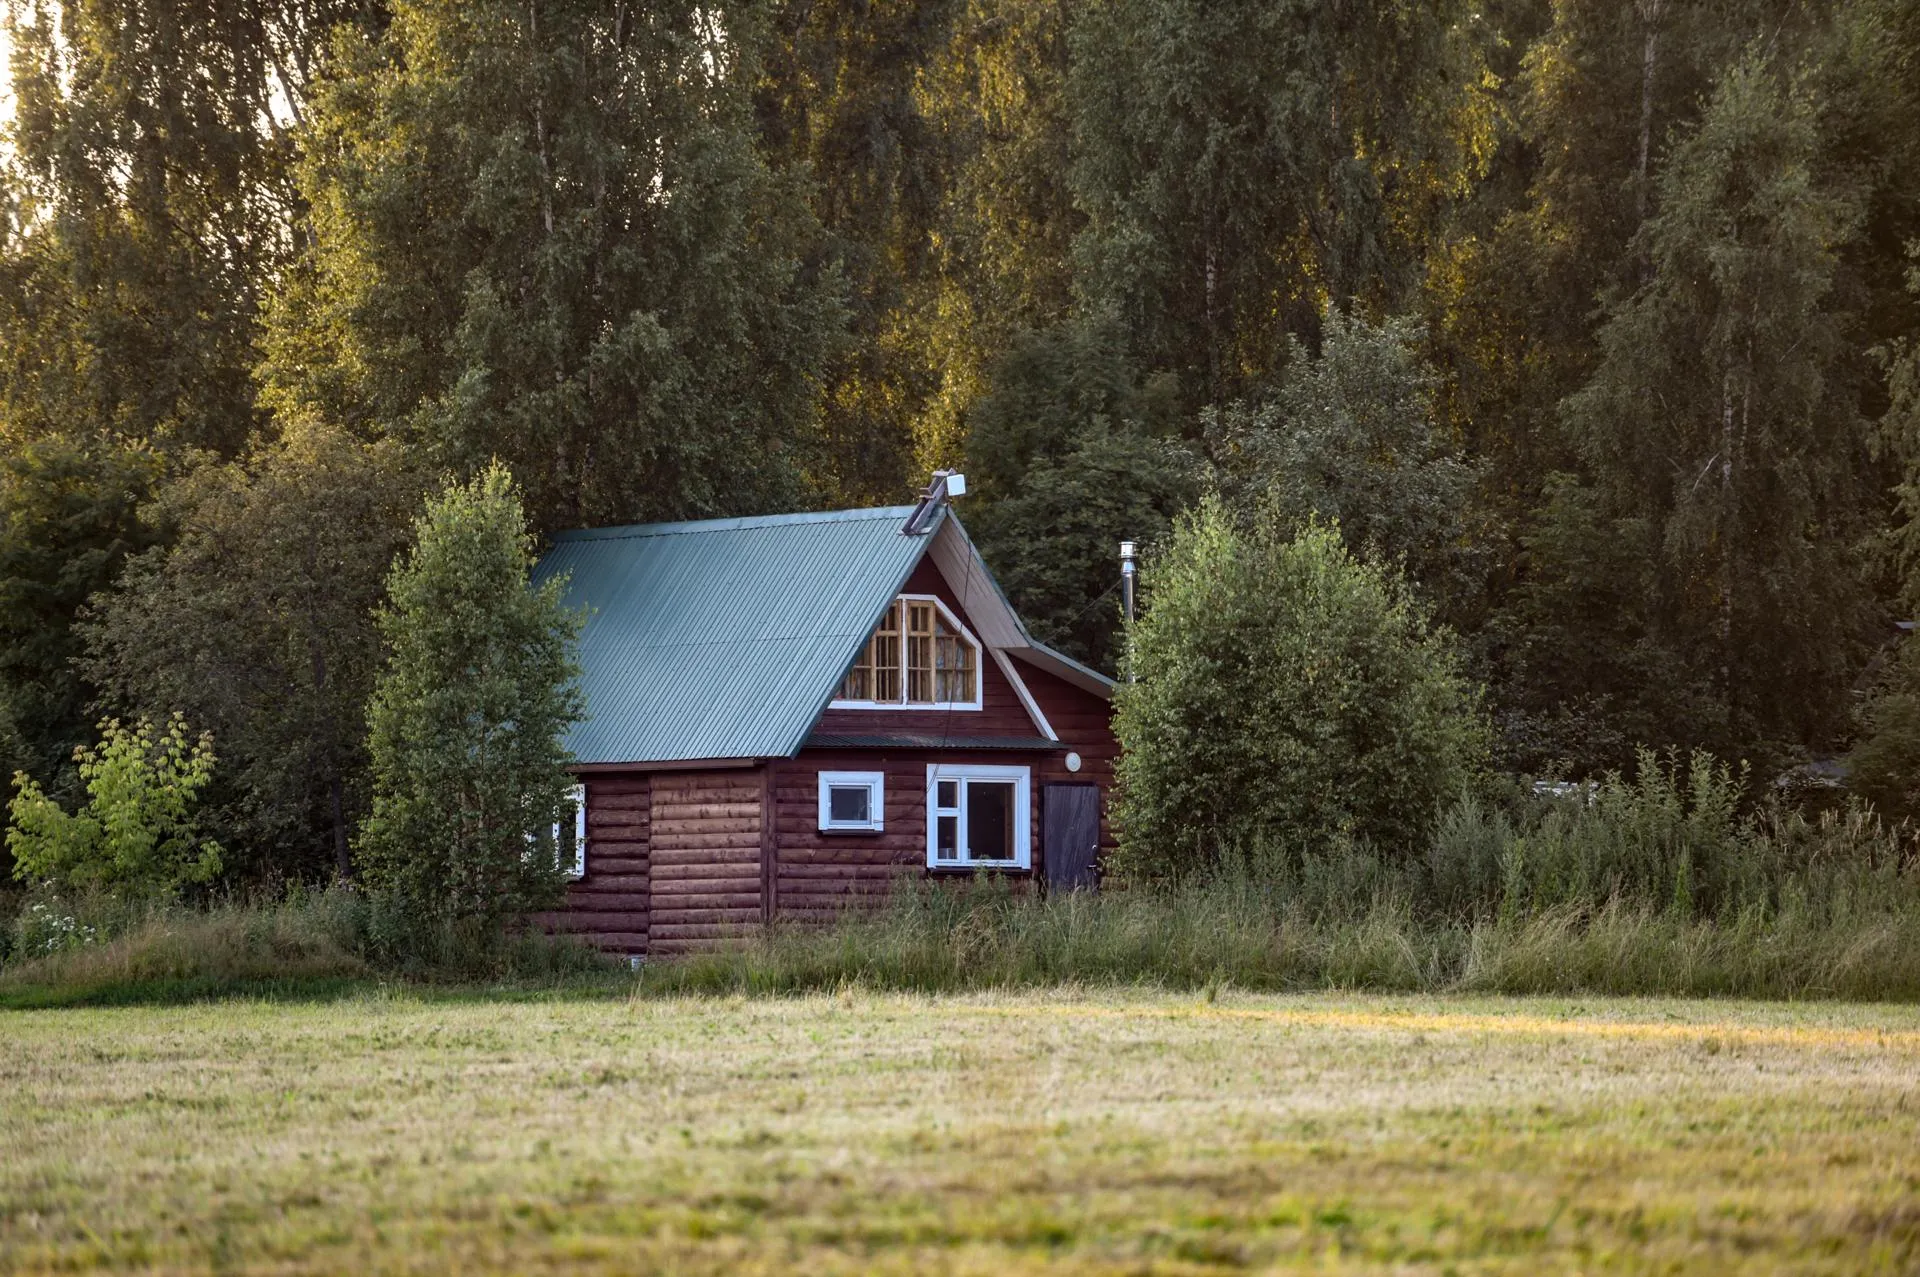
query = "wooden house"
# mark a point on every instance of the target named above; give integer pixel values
(785, 714)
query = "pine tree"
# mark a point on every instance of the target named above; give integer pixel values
(467, 717)
(1722, 426)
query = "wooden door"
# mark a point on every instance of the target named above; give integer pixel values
(1070, 836)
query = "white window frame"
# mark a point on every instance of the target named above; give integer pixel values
(875, 784)
(577, 795)
(960, 628)
(963, 773)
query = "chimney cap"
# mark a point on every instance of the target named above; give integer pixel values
(946, 485)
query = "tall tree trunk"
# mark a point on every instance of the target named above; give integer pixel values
(337, 800)
(1215, 392)
(540, 124)
(1650, 13)
(1729, 442)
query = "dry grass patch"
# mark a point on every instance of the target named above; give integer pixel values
(1096, 1133)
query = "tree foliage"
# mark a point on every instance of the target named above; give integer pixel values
(137, 833)
(1285, 694)
(69, 519)
(1349, 437)
(544, 234)
(256, 619)
(1071, 456)
(1722, 426)
(1238, 160)
(467, 716)
(148, 206)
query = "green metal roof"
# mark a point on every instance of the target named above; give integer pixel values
(723, 638)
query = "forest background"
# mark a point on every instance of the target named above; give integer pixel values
(1595, 319)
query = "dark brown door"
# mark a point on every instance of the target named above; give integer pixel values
(1070, 836)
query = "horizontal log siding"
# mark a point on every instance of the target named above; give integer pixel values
(706, 858)
(818, 874)
(609, 906)
(1000, 714)
(1085, 725)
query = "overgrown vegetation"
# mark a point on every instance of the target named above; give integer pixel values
(137, 835)
(1660, 884)
(465, 724)
(1287, 694)
(91, 949)
(1668, 882)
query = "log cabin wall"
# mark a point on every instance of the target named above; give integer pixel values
(817, 874)
(1084, 723)
(609, 906)
(706, 862)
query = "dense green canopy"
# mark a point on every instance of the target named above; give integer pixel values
(1594, 320)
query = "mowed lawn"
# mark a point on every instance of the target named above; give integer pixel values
(1095, 1133)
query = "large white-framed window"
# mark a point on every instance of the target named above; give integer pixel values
(979, 816)
(853, 802)
(919, 656)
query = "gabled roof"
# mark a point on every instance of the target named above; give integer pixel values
(726, 638)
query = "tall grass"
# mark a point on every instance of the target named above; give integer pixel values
(1199, 936)
(1669, 883)
(101, 950)
(92, 950)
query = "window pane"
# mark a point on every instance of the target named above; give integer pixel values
(859, 684)
(920, 653)
(850, 805)
(946, 845)
(953, 659)
(948, 797)
(990, 819)
(886, 666)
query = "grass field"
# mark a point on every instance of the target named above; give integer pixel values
(1097, 1133)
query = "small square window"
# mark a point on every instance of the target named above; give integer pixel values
(852, 802)
(849, 804)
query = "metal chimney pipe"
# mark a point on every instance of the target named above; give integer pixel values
(1127, 572)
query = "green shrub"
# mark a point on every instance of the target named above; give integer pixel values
(136, 834)
(1286, 694)
(1886, 762)
(1676, 838)
(468, 770)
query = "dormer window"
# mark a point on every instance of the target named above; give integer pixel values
(918, 657)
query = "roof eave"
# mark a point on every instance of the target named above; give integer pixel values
(1066, 669)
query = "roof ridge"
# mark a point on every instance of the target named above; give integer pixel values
(741, 523)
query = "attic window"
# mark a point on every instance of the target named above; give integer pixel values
(918, 657)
